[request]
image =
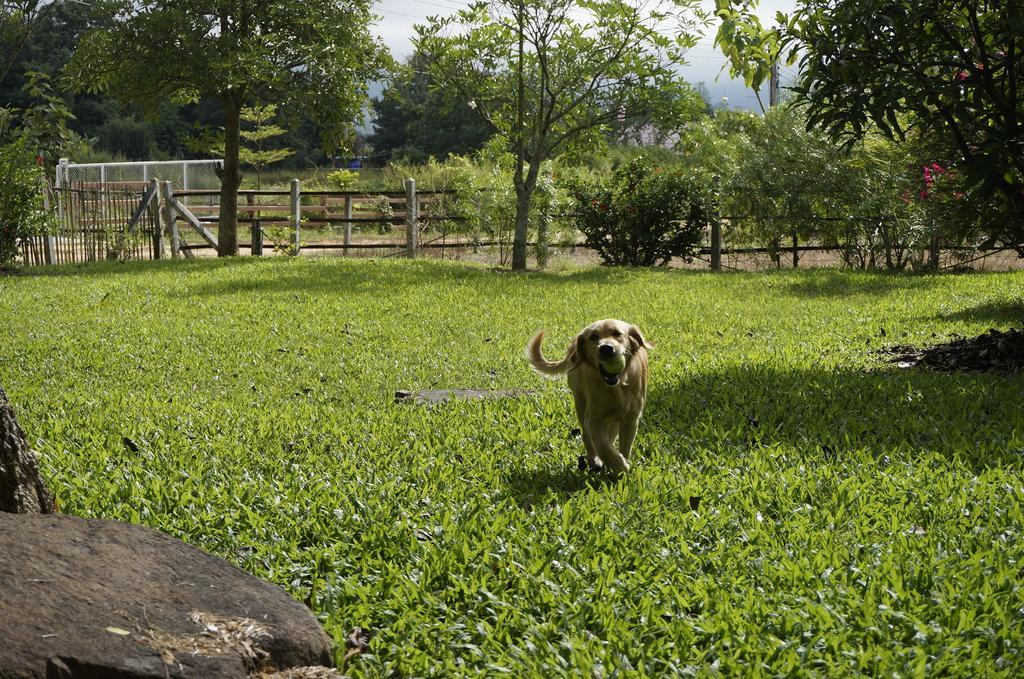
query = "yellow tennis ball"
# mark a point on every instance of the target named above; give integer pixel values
(615, 365)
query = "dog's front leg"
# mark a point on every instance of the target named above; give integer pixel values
(593, 459)
(602, 433)
(627, 433)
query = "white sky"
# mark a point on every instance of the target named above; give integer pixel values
(705, 61)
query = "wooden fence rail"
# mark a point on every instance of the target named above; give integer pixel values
(94, 222)
(151, 220)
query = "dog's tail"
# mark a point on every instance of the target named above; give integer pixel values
(543, 365)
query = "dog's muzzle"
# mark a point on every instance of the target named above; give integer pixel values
(610, 378)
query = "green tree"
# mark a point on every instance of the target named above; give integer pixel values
(414, 119)
(18, 18)
(262, 129)
(953, 68)
(553, 75)
(750, 47)
(318, 52)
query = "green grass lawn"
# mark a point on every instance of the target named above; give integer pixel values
(853, 517)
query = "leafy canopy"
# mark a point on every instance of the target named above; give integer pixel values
(949, 67)
(414, 119)
(316, 52)
(586, 66)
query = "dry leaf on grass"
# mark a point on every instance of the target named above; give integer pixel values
(357, 641)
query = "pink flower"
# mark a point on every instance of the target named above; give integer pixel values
(961, 75)
(924, 195)
(937, 167)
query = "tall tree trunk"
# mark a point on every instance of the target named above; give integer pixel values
(22, 490)
(521, 233)
(524, 198)
(230, 179)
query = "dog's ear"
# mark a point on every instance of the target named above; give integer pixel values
(579, 349)
(636, 340)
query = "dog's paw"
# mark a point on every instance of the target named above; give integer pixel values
(584, 465)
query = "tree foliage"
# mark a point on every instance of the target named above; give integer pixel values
(550, 76)
(18, 19)
(416, 120)
(953, 68)
(750, 47)
(259, 151)
(317, 52)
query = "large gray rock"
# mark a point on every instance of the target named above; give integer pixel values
(21, 487)
(92, 598)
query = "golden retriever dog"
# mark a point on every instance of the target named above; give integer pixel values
(607, 373)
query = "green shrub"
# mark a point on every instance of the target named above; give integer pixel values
(21, 199)
(645, 215)
(343, 179)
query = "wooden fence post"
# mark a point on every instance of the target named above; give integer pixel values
(49, 239)
(716, 233)
(170, 223)
(255, 229)
(60, 182)
(158, 227)
(716, 245)
(296, 214)
(796, 252)
(411, 218)
(348, 223)
(542, 241)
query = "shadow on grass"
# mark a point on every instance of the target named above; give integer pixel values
(142, 268)
(282, 274)
(233, 275)
(843, 282)
(537, 486)
(1003, 312)
(824, 412)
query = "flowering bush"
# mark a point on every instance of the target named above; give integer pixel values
(21, 199)
(644, 215)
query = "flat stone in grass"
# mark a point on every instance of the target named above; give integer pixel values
(443, 395)
(92, 598)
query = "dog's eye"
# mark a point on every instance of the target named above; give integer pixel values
(617, 334)
(593, 337)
